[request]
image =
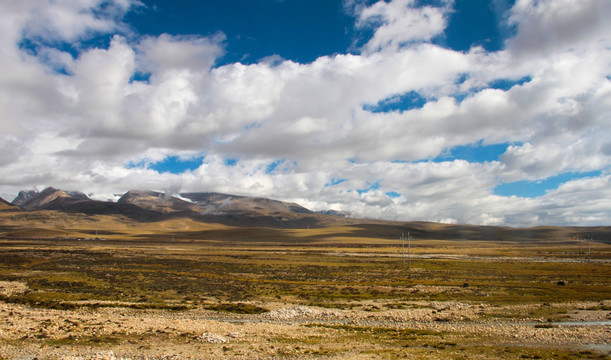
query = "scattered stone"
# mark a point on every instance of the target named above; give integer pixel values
(295, 312)
(145, 335)
(8, 288)
(212, 338)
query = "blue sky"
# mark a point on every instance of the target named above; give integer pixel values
(535, 188)
(473, 111)
(298, 30)
(303, 30)
(176, 165)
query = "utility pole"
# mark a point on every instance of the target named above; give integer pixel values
(403, 247)
(589, 241)
(409, 249)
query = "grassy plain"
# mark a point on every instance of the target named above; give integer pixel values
(351, 291)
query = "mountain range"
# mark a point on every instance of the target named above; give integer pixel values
(139, 206)
(143, 205)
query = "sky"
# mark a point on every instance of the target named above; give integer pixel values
(491, 112)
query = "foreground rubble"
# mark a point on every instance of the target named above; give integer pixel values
(425, 330)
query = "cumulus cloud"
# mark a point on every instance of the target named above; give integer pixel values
(66, 20)
(11, 150)
(167, 53)
(551, 26)
(399, 23)
(93, 119)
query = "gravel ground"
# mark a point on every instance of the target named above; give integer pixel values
(120, 333)
(287, 331)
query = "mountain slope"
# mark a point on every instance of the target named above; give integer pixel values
(226, 209)
(437, 231)
(77, 202)
(142, 205)
(49, 198)
(24, 197)
(5, 205)
(157, 201)
(220, 204)
(253, 211)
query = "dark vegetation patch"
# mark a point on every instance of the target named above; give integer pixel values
(391, 332)
(239, 308)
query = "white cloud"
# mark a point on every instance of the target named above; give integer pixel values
(100, 80)
(11, 150)
(167, 53)
(549, 26)
(69, 20)
(399, 23)
(76, 121)
(528, 162)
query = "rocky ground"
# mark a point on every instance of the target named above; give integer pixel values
(370, 330)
